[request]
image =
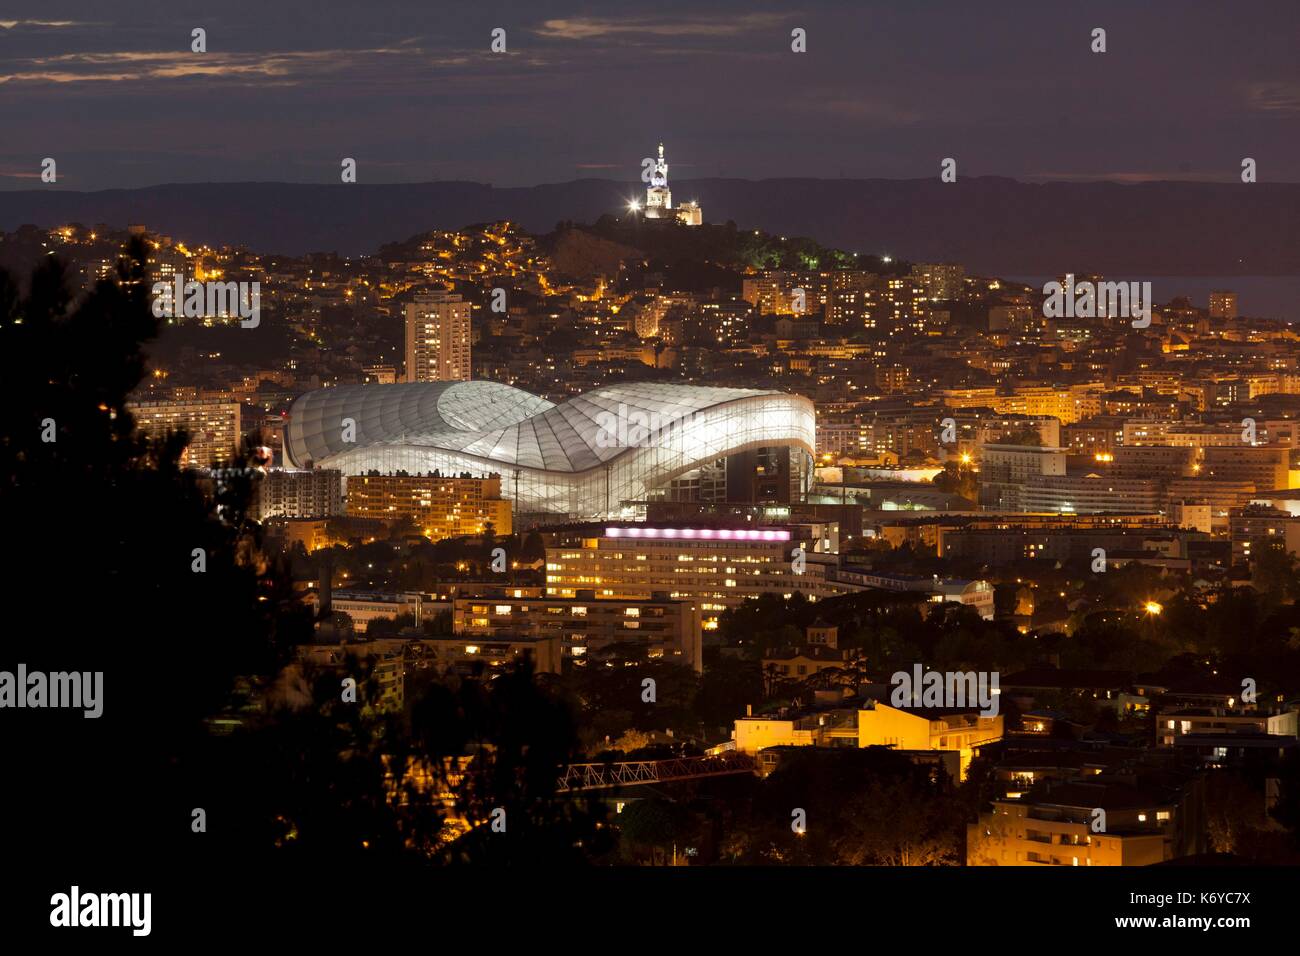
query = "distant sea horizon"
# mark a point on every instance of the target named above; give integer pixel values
(1258, 297)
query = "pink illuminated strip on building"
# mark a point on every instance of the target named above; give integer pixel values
(700, 534)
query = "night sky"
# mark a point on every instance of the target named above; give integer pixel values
(412, 91)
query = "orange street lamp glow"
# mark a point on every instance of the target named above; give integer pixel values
(1153, 608)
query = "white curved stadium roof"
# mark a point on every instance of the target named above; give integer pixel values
(581, 456)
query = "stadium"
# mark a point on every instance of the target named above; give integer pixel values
(595, 456)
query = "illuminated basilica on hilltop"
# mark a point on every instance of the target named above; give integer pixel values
(659, 198)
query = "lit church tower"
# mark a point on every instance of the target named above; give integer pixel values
(659, 198)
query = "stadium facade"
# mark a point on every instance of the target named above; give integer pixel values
(595, 456)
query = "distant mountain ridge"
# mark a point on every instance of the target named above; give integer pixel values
(992, 225)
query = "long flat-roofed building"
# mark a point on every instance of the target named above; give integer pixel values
(668, 628)
(366, 606)
(1090, 494)
(442, 506)
(1265, 466)
(718, 568)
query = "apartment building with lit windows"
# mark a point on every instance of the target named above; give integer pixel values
(942, 280)
(1008, 542)
(845, 438)
(212, 425)
(1223, 304)
(299, 494)
(717, 568)
(772, 292)
(1119, 820)
(1069, 404)
(442, 506)
(668, 628)
(1173, 726)
(1158, 432)
(1255, 525)
(1089, 494)
(438, 338)
(1098, 435)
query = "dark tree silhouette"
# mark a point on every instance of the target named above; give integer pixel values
(110, 528)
